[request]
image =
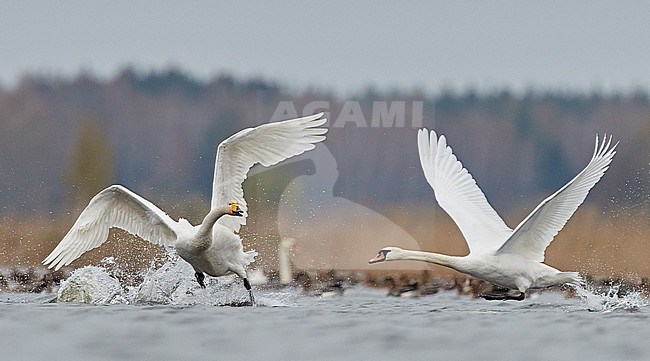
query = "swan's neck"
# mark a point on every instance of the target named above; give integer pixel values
(437, 258)
(284, 265)
(204, 234)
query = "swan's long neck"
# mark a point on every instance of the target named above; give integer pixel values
(284, 266)
(437, 258)
(204, 234)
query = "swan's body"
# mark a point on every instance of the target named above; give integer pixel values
(510, 271)
(213, 247)
(505, 257)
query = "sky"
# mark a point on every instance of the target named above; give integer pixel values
(339, 45)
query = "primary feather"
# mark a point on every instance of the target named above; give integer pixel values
(115, 206)
(536, 232)
(459, 195)
(267, 144)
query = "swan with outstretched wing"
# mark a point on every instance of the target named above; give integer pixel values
(212, 247)
(505, 257)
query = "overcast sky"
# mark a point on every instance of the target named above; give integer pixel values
(339, 45)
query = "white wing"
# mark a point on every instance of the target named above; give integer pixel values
(536, 232)
(267, 144)
(115, 206)
(459, 195)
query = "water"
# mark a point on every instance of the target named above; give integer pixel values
(167, 317)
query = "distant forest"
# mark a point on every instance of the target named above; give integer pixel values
(63, 140)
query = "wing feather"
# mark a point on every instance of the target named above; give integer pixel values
(115, 206)
(535, 233)
(459, 195)
(267, 144)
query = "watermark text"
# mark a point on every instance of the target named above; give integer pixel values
(383, 114)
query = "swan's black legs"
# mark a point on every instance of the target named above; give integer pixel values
(250, 290)
(199, 278)
(503, 295)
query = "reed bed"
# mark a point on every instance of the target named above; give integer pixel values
(594, 242)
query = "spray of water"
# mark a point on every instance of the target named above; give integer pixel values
(610, 299)
(92, 285)
(172, 283)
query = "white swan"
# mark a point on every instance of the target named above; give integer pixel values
(284, 263)
(498, 254)
(213, 247)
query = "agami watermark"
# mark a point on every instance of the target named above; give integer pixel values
(384, 114)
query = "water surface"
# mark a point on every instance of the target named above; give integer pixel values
(362, 324)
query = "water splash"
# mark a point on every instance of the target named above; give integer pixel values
(610, 299)
(173, 283)
(92, 285)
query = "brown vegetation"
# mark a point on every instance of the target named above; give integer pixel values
(593, 243)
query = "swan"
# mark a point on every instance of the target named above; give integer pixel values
(508, 258)
(284, 262)
(212, 247)
(284, 274)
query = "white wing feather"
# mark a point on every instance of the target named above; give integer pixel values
(266, 144)
(537, 231)
(459, 195)
(115, 206)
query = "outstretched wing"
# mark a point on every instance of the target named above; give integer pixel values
(115, 206)
(459, 195)
(536, 232)
(266, 144)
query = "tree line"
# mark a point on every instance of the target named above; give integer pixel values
(64, 139)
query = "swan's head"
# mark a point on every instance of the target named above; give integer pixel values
(385, 254)
(289, 244)
(234, 210)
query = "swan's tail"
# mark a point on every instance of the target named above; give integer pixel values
(571, 278)
(249, 257)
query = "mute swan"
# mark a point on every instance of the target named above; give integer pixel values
(213, 247)
(505, 257)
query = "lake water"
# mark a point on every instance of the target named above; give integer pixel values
(188, 323)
